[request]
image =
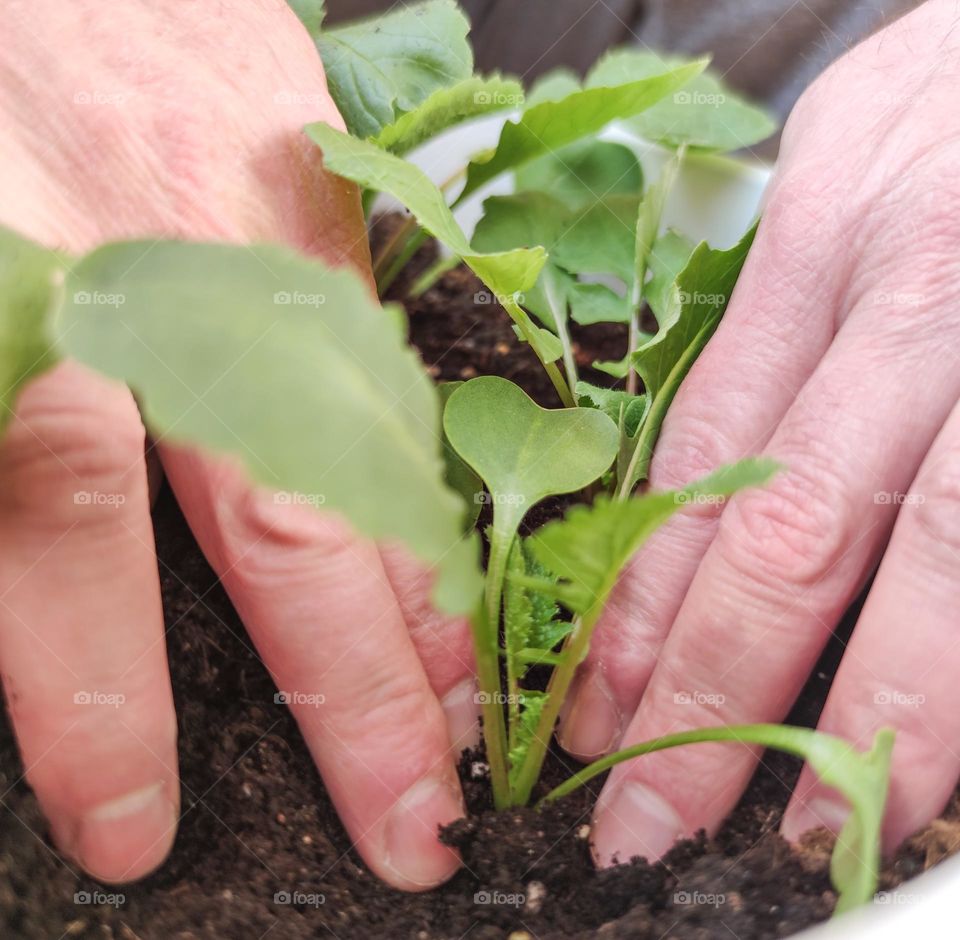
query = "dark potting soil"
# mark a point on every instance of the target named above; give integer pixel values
(257, 826)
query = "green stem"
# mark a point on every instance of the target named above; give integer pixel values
(393, 246)
(491, 695)
(400, 261)
(574, 651)
(763, 735)
(529, 331)
(488, 655)
(862, 777)
(557, 302)
(433, 274)
(643, 452)
(633, 339)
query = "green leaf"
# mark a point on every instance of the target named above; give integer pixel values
(705, 114)
(589, 547)
(523, 452)
(613, 401)
(457, 475)
(520, 220)
(546, 631)
(585, 240)
(861, 777)
(30, 277)
(449, 106)
(670, 255)
(597, 303)
(553, 86)
(505, 273)
(864, 779)
(286, 363)
(533, 704)
(550, 125)
(380, 67)
(649, 217)
(530, 624)
(517, 612)
(583, 172)
(695, 308)
(618, 368)
(599, 238)
(311, 13)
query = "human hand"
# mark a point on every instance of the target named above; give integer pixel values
(184, 120)
(838, 356)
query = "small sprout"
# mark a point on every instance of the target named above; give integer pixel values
(861, 777)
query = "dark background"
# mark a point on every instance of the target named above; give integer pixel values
(769, 49)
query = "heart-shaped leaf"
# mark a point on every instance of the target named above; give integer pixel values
(523, 452)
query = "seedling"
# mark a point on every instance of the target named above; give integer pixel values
(295, 369)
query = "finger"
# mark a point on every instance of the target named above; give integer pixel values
(443, 644)
(767, 346)
(900, 668)
(82, 648)
(320, 610)
(786, 562)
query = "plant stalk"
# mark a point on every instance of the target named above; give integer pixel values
(393, 246)
(400, 261)
(488, 656)
(528, 329)
(574, 651)
(433, 274)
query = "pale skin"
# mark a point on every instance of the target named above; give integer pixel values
(838, 356)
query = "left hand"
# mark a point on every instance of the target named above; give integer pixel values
(840, 357)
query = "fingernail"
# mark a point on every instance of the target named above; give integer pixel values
(817, 812)
(593, 724)
(413, 852)
(127, 837)
(633, 821)
(462, 711)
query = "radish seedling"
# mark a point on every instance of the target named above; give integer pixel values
(293, 367)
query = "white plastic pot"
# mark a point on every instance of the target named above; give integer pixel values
(716, 199)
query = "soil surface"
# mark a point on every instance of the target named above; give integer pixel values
(259, 832)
